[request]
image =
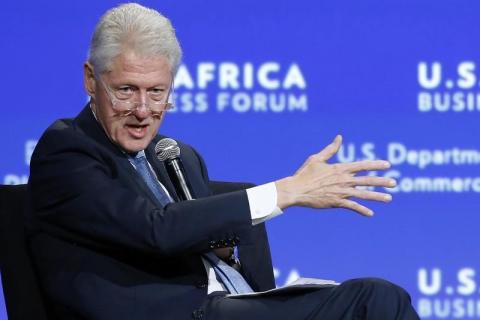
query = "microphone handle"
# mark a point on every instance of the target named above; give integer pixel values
(175, 171)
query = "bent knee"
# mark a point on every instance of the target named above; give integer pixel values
(378, 286)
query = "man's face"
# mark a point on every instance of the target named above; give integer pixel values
(129, 73)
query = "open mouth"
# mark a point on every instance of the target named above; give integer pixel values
(136, 130)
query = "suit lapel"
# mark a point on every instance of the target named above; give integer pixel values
(87, 123)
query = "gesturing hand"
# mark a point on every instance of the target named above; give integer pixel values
(317, 184)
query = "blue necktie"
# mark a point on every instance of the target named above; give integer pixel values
(141, 164)
(231, 278)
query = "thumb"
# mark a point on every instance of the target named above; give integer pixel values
(330, 150)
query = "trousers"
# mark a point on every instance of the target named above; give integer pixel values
(357, 299)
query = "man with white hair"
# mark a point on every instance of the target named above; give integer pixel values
(110, 237)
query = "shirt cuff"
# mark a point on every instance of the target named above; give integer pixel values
(263, 202)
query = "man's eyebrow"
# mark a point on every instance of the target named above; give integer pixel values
(159, 86)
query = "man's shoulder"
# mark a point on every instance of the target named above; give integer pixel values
(61, 124)
(60, 130)
(66, 134)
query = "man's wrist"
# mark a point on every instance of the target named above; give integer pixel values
(285, 193)
(262, 200)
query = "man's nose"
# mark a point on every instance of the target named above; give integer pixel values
(142, 110)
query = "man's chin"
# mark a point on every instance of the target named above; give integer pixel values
(134, 146)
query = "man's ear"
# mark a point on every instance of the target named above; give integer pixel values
(89, 79)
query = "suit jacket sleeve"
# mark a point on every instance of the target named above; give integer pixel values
(83, 191)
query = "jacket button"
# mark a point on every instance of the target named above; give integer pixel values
(201, 284)
(197, 314)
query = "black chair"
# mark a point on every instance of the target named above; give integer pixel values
(23, 297)
(21, 289)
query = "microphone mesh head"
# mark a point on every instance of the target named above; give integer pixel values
(167, 149)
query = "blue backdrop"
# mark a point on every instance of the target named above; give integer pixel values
(274, 81)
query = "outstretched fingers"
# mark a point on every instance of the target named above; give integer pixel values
(355, 206)
(366, 165)
(370, 195)
(366, 194)
(368, 181)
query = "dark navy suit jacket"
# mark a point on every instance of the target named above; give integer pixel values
(104, 248)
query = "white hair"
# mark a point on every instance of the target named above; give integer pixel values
(133, 27)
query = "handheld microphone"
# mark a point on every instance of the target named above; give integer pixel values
(168, 151)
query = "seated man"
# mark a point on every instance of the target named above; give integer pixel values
(109, 235)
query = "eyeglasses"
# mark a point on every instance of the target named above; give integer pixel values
(123, 100)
